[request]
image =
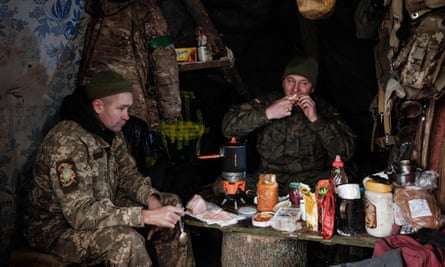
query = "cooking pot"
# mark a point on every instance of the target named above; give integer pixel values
(233, 154)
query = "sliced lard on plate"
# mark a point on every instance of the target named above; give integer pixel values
(196, 205)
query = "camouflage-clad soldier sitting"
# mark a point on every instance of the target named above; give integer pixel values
(88, 199)
(298, 134)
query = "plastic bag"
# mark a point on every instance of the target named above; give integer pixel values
(320, 195)
(418, 207)
(427, 180)
(310, 205)
(328, 221)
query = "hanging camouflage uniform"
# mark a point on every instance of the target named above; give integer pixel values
(292, 147)
(130, 38)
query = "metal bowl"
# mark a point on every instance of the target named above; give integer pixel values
(405, 166)
(404, 178)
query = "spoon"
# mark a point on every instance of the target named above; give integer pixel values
(183, 235)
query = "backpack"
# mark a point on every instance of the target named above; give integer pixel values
(416, 8)
(418, 64)
(414, 252)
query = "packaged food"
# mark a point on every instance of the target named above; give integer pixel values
(287, 219)
(310, 205)
(320, 193)
(186, 54)
(418, 207)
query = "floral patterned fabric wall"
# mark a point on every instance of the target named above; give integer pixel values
(41, 46)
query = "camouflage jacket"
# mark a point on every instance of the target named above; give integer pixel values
(131, 38)
(293, 148)
(77, 180)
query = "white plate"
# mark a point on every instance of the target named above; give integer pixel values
(247, 211)
(262, 223)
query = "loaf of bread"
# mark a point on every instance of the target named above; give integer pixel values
(418, 207)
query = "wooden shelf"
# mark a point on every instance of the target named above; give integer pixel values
(213, 64)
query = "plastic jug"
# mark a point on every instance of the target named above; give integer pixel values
(379, 214)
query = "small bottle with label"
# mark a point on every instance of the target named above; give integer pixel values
(203, 51)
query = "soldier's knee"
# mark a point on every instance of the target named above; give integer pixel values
(127, 243)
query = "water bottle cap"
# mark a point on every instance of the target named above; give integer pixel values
(338, 163)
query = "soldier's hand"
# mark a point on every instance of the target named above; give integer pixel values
(164, 217)
(279, 109)
(307, 104)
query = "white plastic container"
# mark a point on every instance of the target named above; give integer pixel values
(287, 219)
(379, 209)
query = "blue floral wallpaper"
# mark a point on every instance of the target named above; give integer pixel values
(41, 46)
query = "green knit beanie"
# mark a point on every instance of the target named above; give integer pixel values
(304, 66)
(106, 83)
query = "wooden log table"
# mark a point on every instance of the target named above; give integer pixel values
(246, 245)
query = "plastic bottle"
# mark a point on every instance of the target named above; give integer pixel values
(338, 174)
(203, 52)
(267, 190)
(379, 215)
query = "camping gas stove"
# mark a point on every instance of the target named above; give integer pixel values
(234, 171)
(234, 190)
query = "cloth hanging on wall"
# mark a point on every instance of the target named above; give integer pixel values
(39, 59)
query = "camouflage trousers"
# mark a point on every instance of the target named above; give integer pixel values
(124, 246)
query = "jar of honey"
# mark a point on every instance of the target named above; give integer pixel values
(267, 190)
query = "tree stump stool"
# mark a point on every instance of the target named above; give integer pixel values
(242, 249)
